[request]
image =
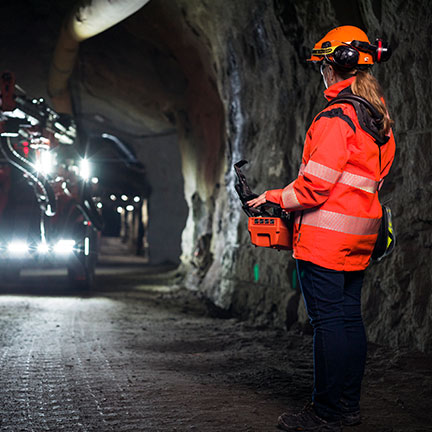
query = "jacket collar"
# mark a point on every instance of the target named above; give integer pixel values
(336, 88)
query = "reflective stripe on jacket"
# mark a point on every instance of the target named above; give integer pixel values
(335, 195)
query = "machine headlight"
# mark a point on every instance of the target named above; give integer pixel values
(84, 169)
(43, 248)
(17, 248)
(45, 162)
(64, 247)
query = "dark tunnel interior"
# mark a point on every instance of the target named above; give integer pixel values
(161, 98)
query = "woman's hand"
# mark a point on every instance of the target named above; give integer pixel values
(258, 201)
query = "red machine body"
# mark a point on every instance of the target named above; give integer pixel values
(48, 216)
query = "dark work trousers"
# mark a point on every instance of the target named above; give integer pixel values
(332, 301)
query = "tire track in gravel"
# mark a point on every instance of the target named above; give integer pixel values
(127, 358)
(96, 372)
(38, 386)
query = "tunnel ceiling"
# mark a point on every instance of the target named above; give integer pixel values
(144, 76)
(129, 77)
(126, 79)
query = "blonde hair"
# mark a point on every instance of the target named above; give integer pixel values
(366, 86)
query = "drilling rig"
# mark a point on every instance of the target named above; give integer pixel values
(48, 203)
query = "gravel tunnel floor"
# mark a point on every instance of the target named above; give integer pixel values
(137, 355)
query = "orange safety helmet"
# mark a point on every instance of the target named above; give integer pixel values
(349, 47)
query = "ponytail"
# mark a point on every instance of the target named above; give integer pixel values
(366, 86)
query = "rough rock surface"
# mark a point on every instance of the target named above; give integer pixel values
(269, 97)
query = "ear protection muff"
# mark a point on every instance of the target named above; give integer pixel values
(380, 50)
(345, 57)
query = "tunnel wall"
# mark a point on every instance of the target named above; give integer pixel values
(167, 209)
(256, 54)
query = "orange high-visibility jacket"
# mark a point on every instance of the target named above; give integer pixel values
(335, 196)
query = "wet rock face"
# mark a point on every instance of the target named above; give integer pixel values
(256, 53)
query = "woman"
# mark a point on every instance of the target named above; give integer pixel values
(337, 217)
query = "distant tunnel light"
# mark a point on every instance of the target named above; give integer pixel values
(95, 180)
(124, 197)
(86, 246)
(18, 248)
(120, 210)
(64, 246)
(99, 205)
(137, 199)
(113, 197)
(129, 207)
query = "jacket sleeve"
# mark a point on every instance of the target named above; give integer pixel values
(324, 158)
